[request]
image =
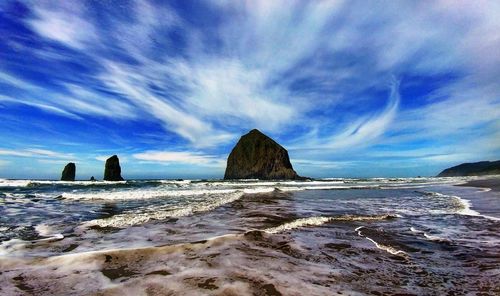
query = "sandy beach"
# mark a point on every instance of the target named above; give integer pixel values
(414, 236)
(493, 183)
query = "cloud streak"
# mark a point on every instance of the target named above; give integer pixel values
(35, 153)
(181, 157)
(312, 74)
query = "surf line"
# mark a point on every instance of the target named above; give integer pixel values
(320, 220)
(388, 249)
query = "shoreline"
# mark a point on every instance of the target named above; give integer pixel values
(489, 183)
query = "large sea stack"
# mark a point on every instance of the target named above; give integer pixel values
(69, 172)
(481, 168)
(112, 170)
(256, 156)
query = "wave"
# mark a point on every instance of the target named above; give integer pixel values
(17, 245)
(320, 220)
(465, 209)
(329, 183)
(435, 238)
(130, 219)
(428, 236)
(38, 183)
(142, 194)
(380, 246)
(462, 206)
(159, 193)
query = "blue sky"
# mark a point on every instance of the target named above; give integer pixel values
(350, 88)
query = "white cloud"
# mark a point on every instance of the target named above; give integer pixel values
(181, 157)
(135, 87)
(233, 94)
(337, 52)
(323, 164)
(63, 23)
(35, 153)
(363, 132)
(16, 82)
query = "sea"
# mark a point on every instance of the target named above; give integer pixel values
(334, 236)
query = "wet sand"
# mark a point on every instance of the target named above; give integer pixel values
(492, 183)
(402, 238)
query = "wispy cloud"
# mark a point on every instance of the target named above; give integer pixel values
(363, 132)
(314, 74)
(35, 153)
(63, 23)
(182, 157)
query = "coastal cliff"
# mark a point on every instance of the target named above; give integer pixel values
(481, 168)
(256, 156)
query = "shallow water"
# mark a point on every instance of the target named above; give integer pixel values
(337, 236)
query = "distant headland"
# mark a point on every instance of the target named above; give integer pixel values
(481, 168)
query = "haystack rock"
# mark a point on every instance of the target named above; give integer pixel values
(112, 170)
(256, 156)
(69, 172)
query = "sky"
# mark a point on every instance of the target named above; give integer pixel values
(349, 88)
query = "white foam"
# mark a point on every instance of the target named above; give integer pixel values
(158, 193)
(258, 190)
(14, 183)
(44, 230)
(388, 249)
(142, 194)
(465, 208)
(17, 246)
(320, 220)
(181, 182)
(434, 238)
(130, 219)
(299, 223)
(414, 230)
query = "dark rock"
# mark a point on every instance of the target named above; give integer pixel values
(92, 179)
(256, 156)
(112, 170)
(481, 168)
(68, 174)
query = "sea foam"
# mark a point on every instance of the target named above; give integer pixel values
(320, 220)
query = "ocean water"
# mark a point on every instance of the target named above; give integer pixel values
(415, 236)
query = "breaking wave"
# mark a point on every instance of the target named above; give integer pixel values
(316, 221)
(380, 246)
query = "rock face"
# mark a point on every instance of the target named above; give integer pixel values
(256, 156)
(69, 172)
(112, 170)
(481, 168)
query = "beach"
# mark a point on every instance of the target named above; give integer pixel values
(194, 237)
(485, 182)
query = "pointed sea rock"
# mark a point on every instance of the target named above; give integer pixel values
(112, 170)
(256, 156)
(69, 172)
